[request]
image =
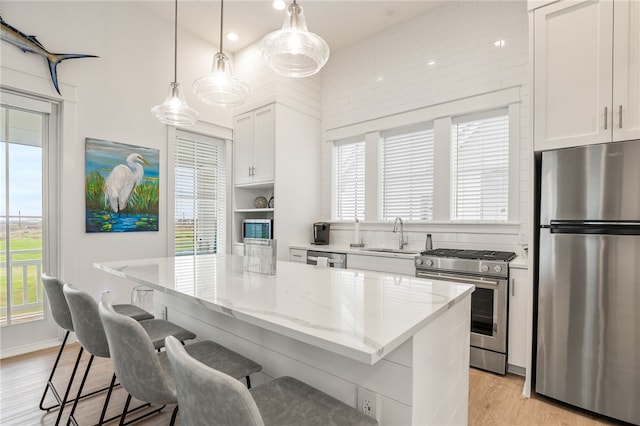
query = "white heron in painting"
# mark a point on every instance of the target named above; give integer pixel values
(122, 181)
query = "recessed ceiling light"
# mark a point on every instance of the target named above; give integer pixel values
(378, 78)
(279, 4)
(431, 62)
(232, 36)
(499, 43)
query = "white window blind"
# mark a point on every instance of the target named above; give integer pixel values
(407, 175)
(350, 177)
(480, 167)
(200, 194)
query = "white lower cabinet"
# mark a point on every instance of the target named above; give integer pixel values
(519, 290)
(381, 263)
(297, 255)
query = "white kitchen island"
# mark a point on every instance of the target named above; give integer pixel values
(402, 340)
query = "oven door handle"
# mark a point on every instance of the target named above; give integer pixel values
(466, 280)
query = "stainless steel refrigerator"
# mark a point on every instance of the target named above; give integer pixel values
(588, 334)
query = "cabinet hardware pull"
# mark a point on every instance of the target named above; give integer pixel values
(606, 115)
(620, 117)
(513, 286)
(249, 170)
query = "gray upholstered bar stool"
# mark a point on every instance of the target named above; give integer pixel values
(90, 333)
(146, 374)
(62, 317)
(209, 397)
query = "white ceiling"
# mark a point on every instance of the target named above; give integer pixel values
(340, 23)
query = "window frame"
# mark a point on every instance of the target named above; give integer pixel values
(335, 181)
(441, 115)
(208, 130)
(482, 115)
(51, 251)
(403, 131)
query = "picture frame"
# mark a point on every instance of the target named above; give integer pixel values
(122, 187)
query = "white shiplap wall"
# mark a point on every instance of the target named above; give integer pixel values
(390, 73)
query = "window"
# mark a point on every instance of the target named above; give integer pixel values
(350, 178)
(407, 175)
(200, 194)
(480, 167)
(448, 163)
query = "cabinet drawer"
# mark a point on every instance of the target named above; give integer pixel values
(382, 264)
(297, 255)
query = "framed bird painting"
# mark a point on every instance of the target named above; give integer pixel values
(122, 187)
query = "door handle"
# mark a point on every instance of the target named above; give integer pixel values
(465, 280)
(606, 116)
(513, 287)
(620, 117)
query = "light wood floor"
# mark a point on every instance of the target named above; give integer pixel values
(493, 400)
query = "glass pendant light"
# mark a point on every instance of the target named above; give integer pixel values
(294, 51)
(220, 87)
(174, 110)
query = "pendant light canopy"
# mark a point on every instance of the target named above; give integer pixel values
(220, 87)
(294, 51)
(174, 110)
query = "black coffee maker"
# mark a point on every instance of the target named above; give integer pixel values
(321, 233)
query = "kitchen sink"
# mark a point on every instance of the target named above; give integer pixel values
(390, 250)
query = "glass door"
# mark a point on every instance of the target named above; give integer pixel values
(21, 236)
(29, 219)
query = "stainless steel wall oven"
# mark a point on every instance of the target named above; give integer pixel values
(489, 272)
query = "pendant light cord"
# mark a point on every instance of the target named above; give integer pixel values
(175, 44)
(221, 20)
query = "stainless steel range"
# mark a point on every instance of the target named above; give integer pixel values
(489, 272)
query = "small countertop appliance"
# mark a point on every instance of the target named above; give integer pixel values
(321, 231)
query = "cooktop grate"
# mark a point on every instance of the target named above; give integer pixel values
(504, 256)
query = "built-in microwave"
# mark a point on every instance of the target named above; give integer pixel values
(257, 228)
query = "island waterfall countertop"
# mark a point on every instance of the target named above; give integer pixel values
(362, 315)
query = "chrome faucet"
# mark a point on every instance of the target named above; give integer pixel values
(401, 241)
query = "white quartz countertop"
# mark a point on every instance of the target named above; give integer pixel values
(519, 262)
(362, 315)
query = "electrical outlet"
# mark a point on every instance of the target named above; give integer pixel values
(368, 403)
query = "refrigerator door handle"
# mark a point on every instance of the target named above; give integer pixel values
(631, 227)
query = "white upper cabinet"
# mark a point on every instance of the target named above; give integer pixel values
(254, 146)
(243, 148)
(585, 73)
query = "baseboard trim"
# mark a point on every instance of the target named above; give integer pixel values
(514, 369)
(31, 347)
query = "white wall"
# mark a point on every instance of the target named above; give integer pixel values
(113, 95)
(389, 74)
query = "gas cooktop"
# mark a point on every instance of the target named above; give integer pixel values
(504, 256)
